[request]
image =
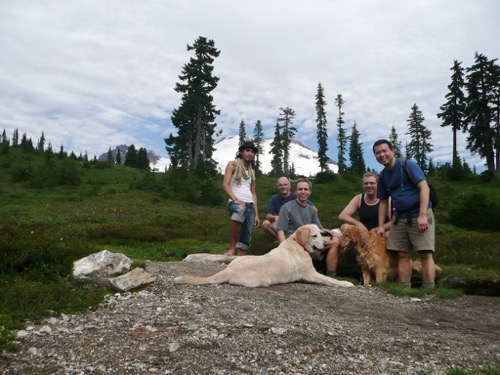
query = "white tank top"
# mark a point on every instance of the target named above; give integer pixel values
(242, 191)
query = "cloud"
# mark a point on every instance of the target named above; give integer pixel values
(94, 74)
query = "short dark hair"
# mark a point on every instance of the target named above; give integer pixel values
(381, 142)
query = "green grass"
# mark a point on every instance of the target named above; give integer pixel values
(44, 230)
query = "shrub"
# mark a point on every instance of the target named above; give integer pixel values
(475, 210)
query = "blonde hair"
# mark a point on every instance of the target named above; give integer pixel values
(369, 174)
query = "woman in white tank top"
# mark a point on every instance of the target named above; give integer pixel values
(239, 186)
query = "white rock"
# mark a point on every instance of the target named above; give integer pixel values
(130, 280)
(97, 268)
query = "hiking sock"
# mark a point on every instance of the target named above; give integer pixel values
(406, 284)
(427, 285)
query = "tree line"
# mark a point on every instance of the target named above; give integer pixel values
(476, 111)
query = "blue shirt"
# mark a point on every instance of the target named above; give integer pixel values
(404, 192)
(277, 201)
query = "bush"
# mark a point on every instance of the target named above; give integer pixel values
(475, 210)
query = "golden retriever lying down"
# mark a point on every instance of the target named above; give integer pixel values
(372, 255)
(287, 263)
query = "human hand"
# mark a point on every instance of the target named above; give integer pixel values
(422, 223)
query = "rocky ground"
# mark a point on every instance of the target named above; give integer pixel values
(285, 329)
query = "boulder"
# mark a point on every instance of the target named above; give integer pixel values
(131, 280)
(98, 268)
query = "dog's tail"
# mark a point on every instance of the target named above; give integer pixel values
(218, 278)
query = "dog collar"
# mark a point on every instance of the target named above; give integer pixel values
(366, 240)
(300, 245)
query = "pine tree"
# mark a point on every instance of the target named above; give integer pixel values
(358, 165)
(131, 157)
(242, 132)
(5, 143)
(195, 118)
(277, 151)
(288, 132)
(483, 81)
(15, 138)
(396, 143)
(419, 145)
(341, 136)
(110, 156)
(453, 111)
(142, 159)
(41, 143)
(258, 140)
(118, 157)
(322, 132)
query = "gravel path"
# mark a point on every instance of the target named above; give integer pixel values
(285, 329)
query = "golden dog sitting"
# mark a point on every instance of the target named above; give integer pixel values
(289, 262)
(372, 255)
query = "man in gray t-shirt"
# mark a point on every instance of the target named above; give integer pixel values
(296, 213)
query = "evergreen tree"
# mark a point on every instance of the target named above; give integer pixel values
(110, 156)
(26, 144)
(15, 138)
(49, 152)
(118, 157)
(258, 140)
(341, 136)
(142, 159)
(453, 111)
(62, 154)
(288, 132)
(195, 118)
(242, 132)
(483, 81)
(277, 151)
(358, 165)
(419, 145)
(5, 143)
(41, 143)
(396, 143)
(131, 157)
(322, 132)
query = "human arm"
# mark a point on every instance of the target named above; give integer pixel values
(422, 222)
(254, 195)
(346, 216)
(382, 215)
(388, 223)
(271, 218)
(226, 183)
(281, 235)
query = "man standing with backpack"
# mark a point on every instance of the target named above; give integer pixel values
(413, 226)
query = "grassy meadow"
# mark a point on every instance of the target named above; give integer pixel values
(45, 227)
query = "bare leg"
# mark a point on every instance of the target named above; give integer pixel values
(270, 229)
(428, 266)
(235, 230)
(404, 266)
(332, 256)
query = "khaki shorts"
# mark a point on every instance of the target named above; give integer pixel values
(406, 237)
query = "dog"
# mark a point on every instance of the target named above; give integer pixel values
(372, 255)
(289, 262)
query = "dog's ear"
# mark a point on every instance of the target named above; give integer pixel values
(302, 235)
(355, 234)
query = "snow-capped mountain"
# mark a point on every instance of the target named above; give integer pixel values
(304, 160)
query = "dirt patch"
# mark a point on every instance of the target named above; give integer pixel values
(292, 328)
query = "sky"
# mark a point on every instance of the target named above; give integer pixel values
(96, 74)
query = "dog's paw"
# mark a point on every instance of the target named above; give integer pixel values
(178, 280)
(345, 283)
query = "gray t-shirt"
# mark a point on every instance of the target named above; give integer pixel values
(293, 215)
